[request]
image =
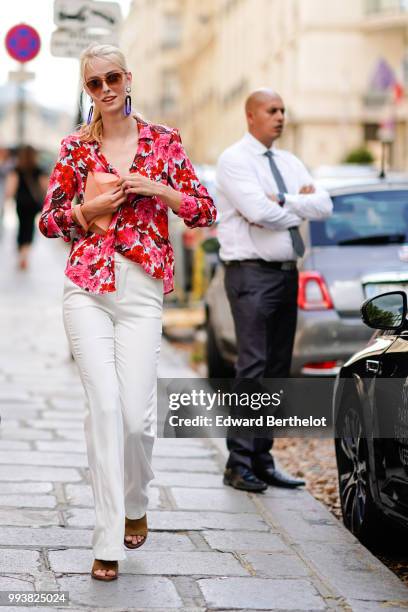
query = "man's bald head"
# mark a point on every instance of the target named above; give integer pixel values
(259, 96)
(264, 111)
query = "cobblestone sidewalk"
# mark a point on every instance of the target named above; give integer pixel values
(209, 548)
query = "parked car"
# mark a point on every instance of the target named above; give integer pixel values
(358, 252)
(371, 423)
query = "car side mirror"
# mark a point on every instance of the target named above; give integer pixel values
(385, 311)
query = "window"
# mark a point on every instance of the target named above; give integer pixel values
(170, 90)
(171, 30)
(386, 6)
(376, 217)
(370, 131)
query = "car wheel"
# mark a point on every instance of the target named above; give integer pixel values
(360, 514)
(218, 367)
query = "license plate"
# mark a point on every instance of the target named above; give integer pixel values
(373, 289)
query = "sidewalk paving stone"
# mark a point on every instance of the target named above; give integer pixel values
(36, 403)
(21, 411)
(81, 495)
(66, 404)
(71, 434)
(14, 445)
(271, 565)
(241, 541)
(27, 501)
(11, 396)
(61, 446)
(153, 562)
(172, 464)
(305, 520)
(17, 561)
(47, 473)
(8, 432)
(15, 583)
(260, 594)
(34, 518)
(64, 537)
(25, 487)
(64, 414)
(225, 500)
(55, 424)
(186, 452)
(128, 593)
(355, 570)
(185, 479)
(175, 520)
(40, 458)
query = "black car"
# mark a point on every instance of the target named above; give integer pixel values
(371, 424)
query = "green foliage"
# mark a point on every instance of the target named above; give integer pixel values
(360, 155)
(210, 245)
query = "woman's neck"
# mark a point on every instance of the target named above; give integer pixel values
(117, 127)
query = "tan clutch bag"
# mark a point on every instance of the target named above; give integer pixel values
(97, 183)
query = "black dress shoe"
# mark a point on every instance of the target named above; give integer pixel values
(243, 479)
(275, 478)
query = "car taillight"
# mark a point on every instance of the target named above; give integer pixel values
(321, 365)
(321, 368)
(313, 292)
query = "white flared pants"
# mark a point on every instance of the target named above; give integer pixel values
(115, 340)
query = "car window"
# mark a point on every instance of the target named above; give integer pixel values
(374, 217)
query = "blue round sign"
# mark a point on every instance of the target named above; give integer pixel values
(23, 42)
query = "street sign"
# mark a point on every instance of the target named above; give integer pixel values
(22, 42)
(81, 14)
(71, 43)
(20, 76)
(386, 131)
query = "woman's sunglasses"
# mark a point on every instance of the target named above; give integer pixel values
(112, 79)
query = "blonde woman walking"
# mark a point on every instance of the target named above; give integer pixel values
(126, 173)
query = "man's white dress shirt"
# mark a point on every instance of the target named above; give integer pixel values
(243, 180)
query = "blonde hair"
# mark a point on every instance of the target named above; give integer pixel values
(93, 131)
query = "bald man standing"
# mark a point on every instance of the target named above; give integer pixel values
(264, 193)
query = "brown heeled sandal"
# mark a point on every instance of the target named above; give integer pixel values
(99, 564)
(135, 527)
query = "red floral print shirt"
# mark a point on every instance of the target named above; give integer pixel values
(139, 228)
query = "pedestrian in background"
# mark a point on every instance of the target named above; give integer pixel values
(6, 165)
(116, 275)
(264, 193)
(27, 184)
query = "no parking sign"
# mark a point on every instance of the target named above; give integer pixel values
(23, 42)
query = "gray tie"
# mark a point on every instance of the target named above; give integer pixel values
(297, 240)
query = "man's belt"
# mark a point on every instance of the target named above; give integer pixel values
(276, 265)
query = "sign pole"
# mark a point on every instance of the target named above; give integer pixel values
(21, 108)
(23, 44)
(382, 170)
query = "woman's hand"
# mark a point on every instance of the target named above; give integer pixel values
(104, 203)
(137, 183)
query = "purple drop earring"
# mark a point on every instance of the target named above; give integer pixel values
(88, 121)
(128, 103)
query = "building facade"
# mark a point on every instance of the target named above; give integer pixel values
(195, 62)
(43, 127)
